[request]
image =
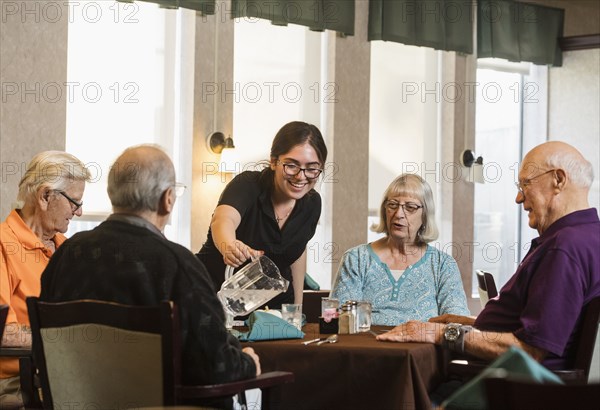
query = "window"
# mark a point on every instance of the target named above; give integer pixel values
(127, 71)
(510, 109)
(404, 104)
(280, 76)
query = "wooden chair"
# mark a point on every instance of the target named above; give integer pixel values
(118, 356)
(584, 355)
(486, 286)
(3, 314)
(505, 393)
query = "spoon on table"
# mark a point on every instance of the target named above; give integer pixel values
(330, 339)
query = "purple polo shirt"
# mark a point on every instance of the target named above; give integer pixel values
(541, 304)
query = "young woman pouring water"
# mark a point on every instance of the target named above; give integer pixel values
(272, 212)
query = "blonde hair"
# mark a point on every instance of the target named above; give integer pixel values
(414, 186)
(51, 169)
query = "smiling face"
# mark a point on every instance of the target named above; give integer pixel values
(295, 186)
(59, 210)
(405, 220)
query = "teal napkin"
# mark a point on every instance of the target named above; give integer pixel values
(515, 362)
(265, 326)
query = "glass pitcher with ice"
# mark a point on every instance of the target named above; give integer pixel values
(251, 287)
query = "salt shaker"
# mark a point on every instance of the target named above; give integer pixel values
(347, 320)
(344, 320)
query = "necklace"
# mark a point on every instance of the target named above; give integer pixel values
(279, 219)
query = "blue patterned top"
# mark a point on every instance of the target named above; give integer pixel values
(430, 287)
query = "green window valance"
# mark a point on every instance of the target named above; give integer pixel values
(519, 31)
(440, 24)
(318, 15)
(203, 6)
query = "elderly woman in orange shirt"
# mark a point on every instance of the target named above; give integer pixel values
(49, 196)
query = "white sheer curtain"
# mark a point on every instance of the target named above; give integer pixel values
(130, 69)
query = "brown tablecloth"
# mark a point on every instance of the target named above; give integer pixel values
(357, 372)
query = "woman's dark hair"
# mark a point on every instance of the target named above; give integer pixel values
(298, 133)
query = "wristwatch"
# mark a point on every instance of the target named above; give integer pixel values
(454, 336)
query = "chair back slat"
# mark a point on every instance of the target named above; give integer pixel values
(486, 286)
(103, 367)
(103, 354)
(588, 338)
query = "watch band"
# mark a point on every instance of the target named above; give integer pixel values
(459, 345)
(454, 336)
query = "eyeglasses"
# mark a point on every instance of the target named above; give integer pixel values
(408, 207)
(292, 170)
(179, 189)
(72, 201)
(526, 182)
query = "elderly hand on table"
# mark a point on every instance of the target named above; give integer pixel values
(415, 331)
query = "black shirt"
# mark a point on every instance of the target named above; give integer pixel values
(250, 194)
(124, 261)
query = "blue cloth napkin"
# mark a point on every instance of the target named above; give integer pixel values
(265, 326)
(516, 363)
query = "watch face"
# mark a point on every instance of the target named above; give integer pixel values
(451, 333)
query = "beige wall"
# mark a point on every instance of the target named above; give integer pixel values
(214, 38)
(33, 71)
(350, 147)
(581, 16)
(574, 108)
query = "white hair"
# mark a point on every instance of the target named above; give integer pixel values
(52, 169)
(138, 186)
(579, 170)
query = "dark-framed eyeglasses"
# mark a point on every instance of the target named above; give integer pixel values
(407, 207)
(179, 189)
(527, 181)
(73, 202)
(292, 170)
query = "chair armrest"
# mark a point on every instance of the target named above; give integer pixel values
(263, 381)
(571, 376)
(466, 369)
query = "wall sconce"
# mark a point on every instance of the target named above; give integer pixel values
(475, 166)
(219, 144)
(468, 159)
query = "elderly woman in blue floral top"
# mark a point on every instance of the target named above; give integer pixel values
(402, 276)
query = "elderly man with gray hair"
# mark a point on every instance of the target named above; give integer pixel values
(50, 193)
(539, 309)
(127, 259)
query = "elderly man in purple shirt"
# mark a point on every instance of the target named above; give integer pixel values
(539, 309)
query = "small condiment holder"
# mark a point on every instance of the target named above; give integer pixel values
(328, 321)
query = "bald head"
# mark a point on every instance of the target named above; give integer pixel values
(560, 155)
(555, 181)
(139, 178)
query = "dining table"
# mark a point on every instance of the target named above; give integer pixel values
(356, 372)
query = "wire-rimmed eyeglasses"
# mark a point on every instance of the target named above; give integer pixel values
(527, 181)
(73, 202)
(292, 170)
(408, 207)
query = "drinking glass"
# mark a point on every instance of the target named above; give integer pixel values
(364, 316)
(292, 313)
